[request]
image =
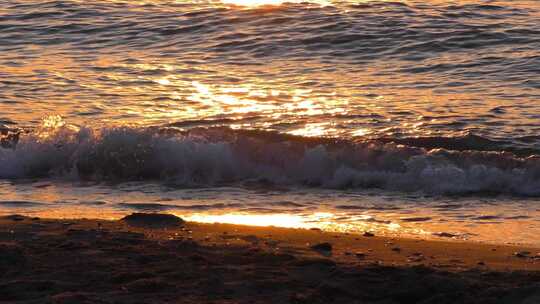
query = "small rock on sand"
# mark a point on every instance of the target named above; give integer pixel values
(16, 217)
(151, 285)
(360, 255)
(250, 239)
(415, 259)
(444, 234)
(416, 219)
(322, 247)
(368, 234)
(522, 254)
(153, 220)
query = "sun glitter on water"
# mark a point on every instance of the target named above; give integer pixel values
(270, 2)
(323, 220)
(254, 2)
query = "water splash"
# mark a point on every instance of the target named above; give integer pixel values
(216, 156)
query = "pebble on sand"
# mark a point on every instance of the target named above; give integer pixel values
(153, 220)
(322, 247)
(522, 254)
(368, 234)
(360, 255)
(16, 217)
(445, 234)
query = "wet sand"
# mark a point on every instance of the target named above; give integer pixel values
(157, 259)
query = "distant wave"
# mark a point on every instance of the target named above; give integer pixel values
(348, 32)
(215, 156)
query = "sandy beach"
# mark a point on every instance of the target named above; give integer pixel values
(162, 259)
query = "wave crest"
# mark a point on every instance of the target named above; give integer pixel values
(217, 156)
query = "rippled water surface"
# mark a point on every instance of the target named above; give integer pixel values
(351, 68)
(426, 99)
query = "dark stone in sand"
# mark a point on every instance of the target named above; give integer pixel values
(416, 219)
(368, 234)
(522, 254)
(148, 286)
(250, 238)
(73, 245)
(360, 255)
(16, 217)
(153, 220)
(444, 234)
(487, 217)
(415, 257)
(322, 247)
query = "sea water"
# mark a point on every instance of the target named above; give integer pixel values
(416, 118)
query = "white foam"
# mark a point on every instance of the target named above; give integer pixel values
(217, 156)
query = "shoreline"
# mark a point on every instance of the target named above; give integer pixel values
(440, 235)
(488, 232)
(153, 259)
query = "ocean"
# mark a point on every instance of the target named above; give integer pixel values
(411, 118)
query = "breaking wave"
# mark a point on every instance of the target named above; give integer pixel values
(217, 156)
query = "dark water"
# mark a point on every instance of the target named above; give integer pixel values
(428, 100)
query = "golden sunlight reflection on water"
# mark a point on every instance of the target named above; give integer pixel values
(254, 2)
(154, 92)
(322, 220)
(494, 223)
(271, 2)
